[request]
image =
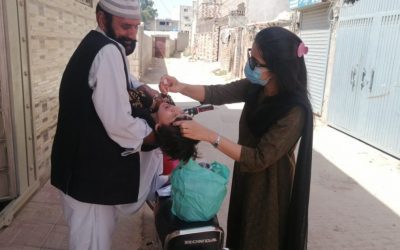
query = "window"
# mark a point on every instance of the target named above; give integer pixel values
(185, 10)
(86, 2)
(165, 23)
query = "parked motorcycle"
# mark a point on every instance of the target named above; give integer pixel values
(176, 234)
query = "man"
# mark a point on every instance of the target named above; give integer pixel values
(95, 159)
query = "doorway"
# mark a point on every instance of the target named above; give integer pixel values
(7, 166)
(365, 95)
(159, 48)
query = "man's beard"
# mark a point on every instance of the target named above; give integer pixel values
(129, 44)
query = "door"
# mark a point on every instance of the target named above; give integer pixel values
(352, 44)
(380, 116)
(7, 167)
(365, 94)
(159, 47)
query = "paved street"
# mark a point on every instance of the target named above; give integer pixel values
(355, 189)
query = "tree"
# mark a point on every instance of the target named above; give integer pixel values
(147, 10)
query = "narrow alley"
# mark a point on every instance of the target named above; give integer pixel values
(354, 194)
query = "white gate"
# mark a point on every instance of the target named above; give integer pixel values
(365, 94)
(315, 32)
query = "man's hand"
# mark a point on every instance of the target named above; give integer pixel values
(150, 139)
(149, 143)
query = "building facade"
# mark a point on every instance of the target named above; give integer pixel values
(185, 18)
(162, 25)
(205, 38)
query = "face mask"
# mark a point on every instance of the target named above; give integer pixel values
(254, 76)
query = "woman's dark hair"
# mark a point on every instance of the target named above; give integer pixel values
(278, 47)
(171, 142)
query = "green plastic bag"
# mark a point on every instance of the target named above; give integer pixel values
(198, 192)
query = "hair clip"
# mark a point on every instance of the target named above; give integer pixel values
(302, 50)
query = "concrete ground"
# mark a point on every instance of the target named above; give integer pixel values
(355, 188)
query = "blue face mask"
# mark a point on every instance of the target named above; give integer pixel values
(254, 76)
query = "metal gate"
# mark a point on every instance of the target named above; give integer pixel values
(365, 95)
(315, 32)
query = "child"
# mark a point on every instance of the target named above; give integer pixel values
(151, 157)
(197, 189)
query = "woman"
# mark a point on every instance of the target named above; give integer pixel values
(270, 192)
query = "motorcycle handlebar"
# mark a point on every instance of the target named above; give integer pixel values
(198, 109)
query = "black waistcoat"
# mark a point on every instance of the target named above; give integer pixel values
(85, 163)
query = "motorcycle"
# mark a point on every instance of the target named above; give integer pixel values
(176, 234)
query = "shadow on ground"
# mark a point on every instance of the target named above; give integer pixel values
(344, 215)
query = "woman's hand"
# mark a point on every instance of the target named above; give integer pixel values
(194, 130)
(169, 84)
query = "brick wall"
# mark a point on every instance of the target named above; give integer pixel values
(233, 51)
(207, 44)
(55, 28)
(134, 63)
(145, 50)
(208, 10)
(230, 5)
(225, 48)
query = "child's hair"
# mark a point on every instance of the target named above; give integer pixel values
(171, 142)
